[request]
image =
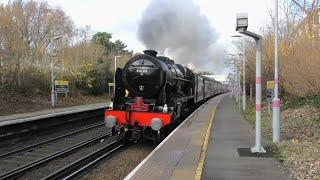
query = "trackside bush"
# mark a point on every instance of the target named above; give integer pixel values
(93, 79)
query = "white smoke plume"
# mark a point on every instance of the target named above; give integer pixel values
(178, 28)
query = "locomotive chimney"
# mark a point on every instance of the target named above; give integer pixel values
(150, 52)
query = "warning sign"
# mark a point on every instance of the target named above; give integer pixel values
(61, 86)
(270, 84)
(270, 90)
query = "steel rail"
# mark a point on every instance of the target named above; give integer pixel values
(84, 163)
(25, 168)
(9, 154)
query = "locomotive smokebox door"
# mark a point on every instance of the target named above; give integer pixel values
(143, 75)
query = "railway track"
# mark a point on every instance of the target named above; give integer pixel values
(81, 165)
(29, 127)
(8, 154)
(21, 161)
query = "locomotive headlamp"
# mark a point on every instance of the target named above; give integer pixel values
(156, 124)
(110, 121)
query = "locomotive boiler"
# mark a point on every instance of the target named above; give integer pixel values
(153, 94)
(156, 77)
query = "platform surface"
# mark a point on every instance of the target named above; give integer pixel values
(37, 115)
(231, 133)
(179, 155)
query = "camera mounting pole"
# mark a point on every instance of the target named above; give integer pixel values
(242, 25)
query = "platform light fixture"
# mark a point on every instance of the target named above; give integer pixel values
(53, 96)
(242, 25)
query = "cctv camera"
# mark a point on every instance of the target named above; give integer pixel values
(242, 22)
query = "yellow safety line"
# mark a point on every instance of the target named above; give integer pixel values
(205, 145)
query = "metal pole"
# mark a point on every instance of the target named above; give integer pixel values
(276, 99)
(52, 86)
(239, 88)
(234, 87)
(244, 78)
(236, 84)
(1, 65)
(251, 92)
(258, 147)
(53, 94)
(231, 79)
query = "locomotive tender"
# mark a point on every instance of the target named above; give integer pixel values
(152, 94)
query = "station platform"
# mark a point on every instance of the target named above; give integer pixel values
(38, 115)
(195, 150)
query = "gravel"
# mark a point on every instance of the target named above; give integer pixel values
(121, 164)
(56, 164)
(34, 138)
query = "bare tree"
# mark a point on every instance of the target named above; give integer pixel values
(26, 30)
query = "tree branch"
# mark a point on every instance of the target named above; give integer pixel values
(303, 8)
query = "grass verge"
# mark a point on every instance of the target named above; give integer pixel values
(299, 149)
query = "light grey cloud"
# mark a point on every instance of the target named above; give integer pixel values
(179, 29)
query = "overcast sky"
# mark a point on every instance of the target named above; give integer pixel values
(121, 17)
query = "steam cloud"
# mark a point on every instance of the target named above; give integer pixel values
(178, 29)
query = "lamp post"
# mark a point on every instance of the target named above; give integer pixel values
(53, 96)
(276, 99)
(237, 85)
(242, 25)
(236, 79)
(115, 69)
(1, 66)
(243, 74)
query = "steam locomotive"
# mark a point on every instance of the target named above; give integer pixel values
(153, 94)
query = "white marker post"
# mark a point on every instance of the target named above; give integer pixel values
(53, 99)
(242, 25)
(276, 100)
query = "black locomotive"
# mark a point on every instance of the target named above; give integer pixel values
(153, 93)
